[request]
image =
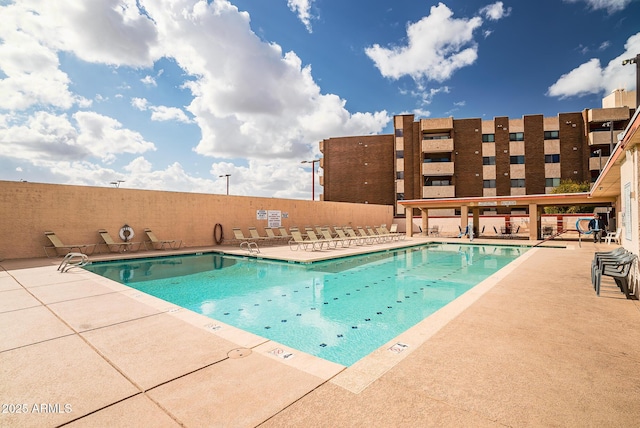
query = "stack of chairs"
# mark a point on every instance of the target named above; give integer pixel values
(617, 264)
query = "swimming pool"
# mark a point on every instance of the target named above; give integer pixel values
(339, 310)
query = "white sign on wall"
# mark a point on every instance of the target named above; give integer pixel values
(274, 218)
(261, 214)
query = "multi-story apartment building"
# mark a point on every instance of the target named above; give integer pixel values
(447, 157)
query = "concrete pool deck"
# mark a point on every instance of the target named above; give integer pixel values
(535, 347)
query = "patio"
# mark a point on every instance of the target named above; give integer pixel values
(534, 347)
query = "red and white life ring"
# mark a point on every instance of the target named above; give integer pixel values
(126, 233)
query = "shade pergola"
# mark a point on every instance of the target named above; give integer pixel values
(532, 202)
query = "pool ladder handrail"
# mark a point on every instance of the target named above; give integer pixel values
(250, 246)
(72, 260)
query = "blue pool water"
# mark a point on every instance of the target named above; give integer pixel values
(338, 310)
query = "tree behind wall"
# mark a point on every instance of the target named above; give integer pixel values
(569, 186)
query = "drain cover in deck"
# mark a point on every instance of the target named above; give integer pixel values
(239, 353)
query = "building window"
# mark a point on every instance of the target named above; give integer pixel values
(428, 181)
(551, 135)
(551, 182)
(489, 184)
(400, 196)
(439, 136)
(437, 157)
(517, 182)
(516, 160)
(516, 136)
(400, 175)
(488, 160)
(488, 138)
(551, 159)
(399, 154)
(399, 132)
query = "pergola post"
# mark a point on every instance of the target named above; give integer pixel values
(464, 217)
(534, 222)
(476, 220)
(425, 222)
(409, 222)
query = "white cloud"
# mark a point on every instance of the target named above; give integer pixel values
(249, 98)
(105, 137)
(275, 118)
(592, 78)
(303, 9)
(139, 103)
(495, 11)
(279, 179)
(149, 81)
(164, 113)
(46, 136)
(437, 46)
(161, 113)
(611, 6)
(32, 74)
(421, 113)
(100, 31)
(33, 31)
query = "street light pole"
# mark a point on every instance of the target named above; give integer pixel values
(635, 61)
(610, 124)
(599, 151)
(227, 176)
(313, 177)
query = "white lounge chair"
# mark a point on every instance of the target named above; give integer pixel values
(613, 236)
(159, 244)
(68, 248)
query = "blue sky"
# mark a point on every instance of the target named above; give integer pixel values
(171, 94)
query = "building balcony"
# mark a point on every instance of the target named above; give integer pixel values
(436, 124)
(437, 146)
(596, 164)
(431, 192)
(607, 114)
(603, 137)
(437, 168)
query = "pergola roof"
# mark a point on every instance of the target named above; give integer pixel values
(510, 201)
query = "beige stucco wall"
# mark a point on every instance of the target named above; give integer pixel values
(75, 213)
(629, 173)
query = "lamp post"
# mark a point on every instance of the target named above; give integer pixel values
(610, 125)
(227, 176)
(635, 61)
(313, 177)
